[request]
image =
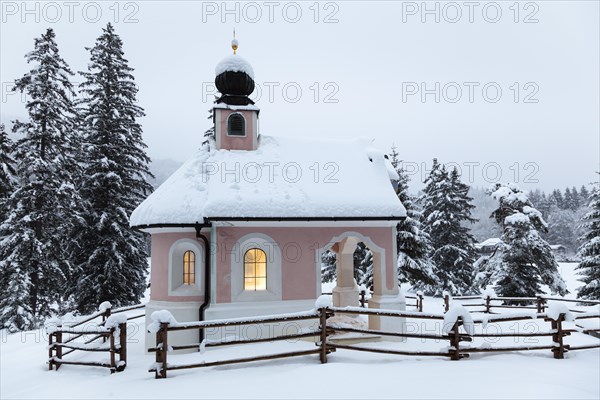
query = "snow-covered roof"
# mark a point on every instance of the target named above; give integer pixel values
(234, 63)
(489, 242)
(283, 178)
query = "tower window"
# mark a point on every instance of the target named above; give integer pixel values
(255, 270)
(236, 125)
(189, 268)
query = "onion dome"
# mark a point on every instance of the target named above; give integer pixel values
(234, 78)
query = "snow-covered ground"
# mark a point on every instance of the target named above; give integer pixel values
(347, 374)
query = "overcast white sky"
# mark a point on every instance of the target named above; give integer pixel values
(361, 68)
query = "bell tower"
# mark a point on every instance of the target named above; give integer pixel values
(235, 115)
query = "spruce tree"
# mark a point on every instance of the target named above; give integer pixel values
(584, 196)
(363, 265)
(112, 259)
(576, 202)
(447, 209)
(561, 228)
(41, 209)
(328, 272)
(544, 204)
(568, 199)
(413, 244)
(7, 172)
(558, 199)
(589, 251)
(524, 261)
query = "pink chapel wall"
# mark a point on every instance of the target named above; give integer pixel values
(298, 246)
(247, 142)
(161, 247)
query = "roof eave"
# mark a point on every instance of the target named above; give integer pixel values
(208, 221)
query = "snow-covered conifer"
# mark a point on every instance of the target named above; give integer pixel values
(41, 209)
(7, 171)
(561, 228)
(558, 198)
(589, 251)
(413, 244)
(446, 210)
(584, 196)
(111, 261)
(328, 266)
(363, 265)
(523, 261)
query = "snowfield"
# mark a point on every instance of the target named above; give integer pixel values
(348, 374)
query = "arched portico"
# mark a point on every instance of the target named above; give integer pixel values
(386, 294)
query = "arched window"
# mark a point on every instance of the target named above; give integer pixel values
(255, 270)
(189, 268)
(236, 125)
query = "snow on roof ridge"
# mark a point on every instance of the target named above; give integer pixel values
(285, 177)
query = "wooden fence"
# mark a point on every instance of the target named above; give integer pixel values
(538, 303)
(363, 300)
(162, 348)
(110, 339)
(454, 336)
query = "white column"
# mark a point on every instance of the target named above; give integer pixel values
(345, 293)
(384, 298)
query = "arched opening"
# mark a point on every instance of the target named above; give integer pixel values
(185, 268)
(351, 258)
(236, 125)
(189, 268)
(255, 270)
(363, 266)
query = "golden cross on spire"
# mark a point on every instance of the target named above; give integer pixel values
(234, 43)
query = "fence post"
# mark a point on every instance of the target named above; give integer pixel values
(112, 350)
(362, 298)
(162, 347)
(105, 316)
(323, 329)
(158, 354)
(50, 352)
(446, 302)
(541, 304)
(488, 305)
(420, 302)
(59, 339)
(557, 337)
(455, 340)
(123, 347)
(164, 327)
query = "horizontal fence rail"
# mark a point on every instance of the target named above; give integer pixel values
(162, 348)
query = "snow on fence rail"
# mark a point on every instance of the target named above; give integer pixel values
(541, 302)
(165, 323)
(112, 331)
(453, 319)
(363, 300)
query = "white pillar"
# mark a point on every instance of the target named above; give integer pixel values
(345, 293)
(384, 298)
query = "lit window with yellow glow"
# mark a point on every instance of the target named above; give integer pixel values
(189, 268)
(255, 270)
